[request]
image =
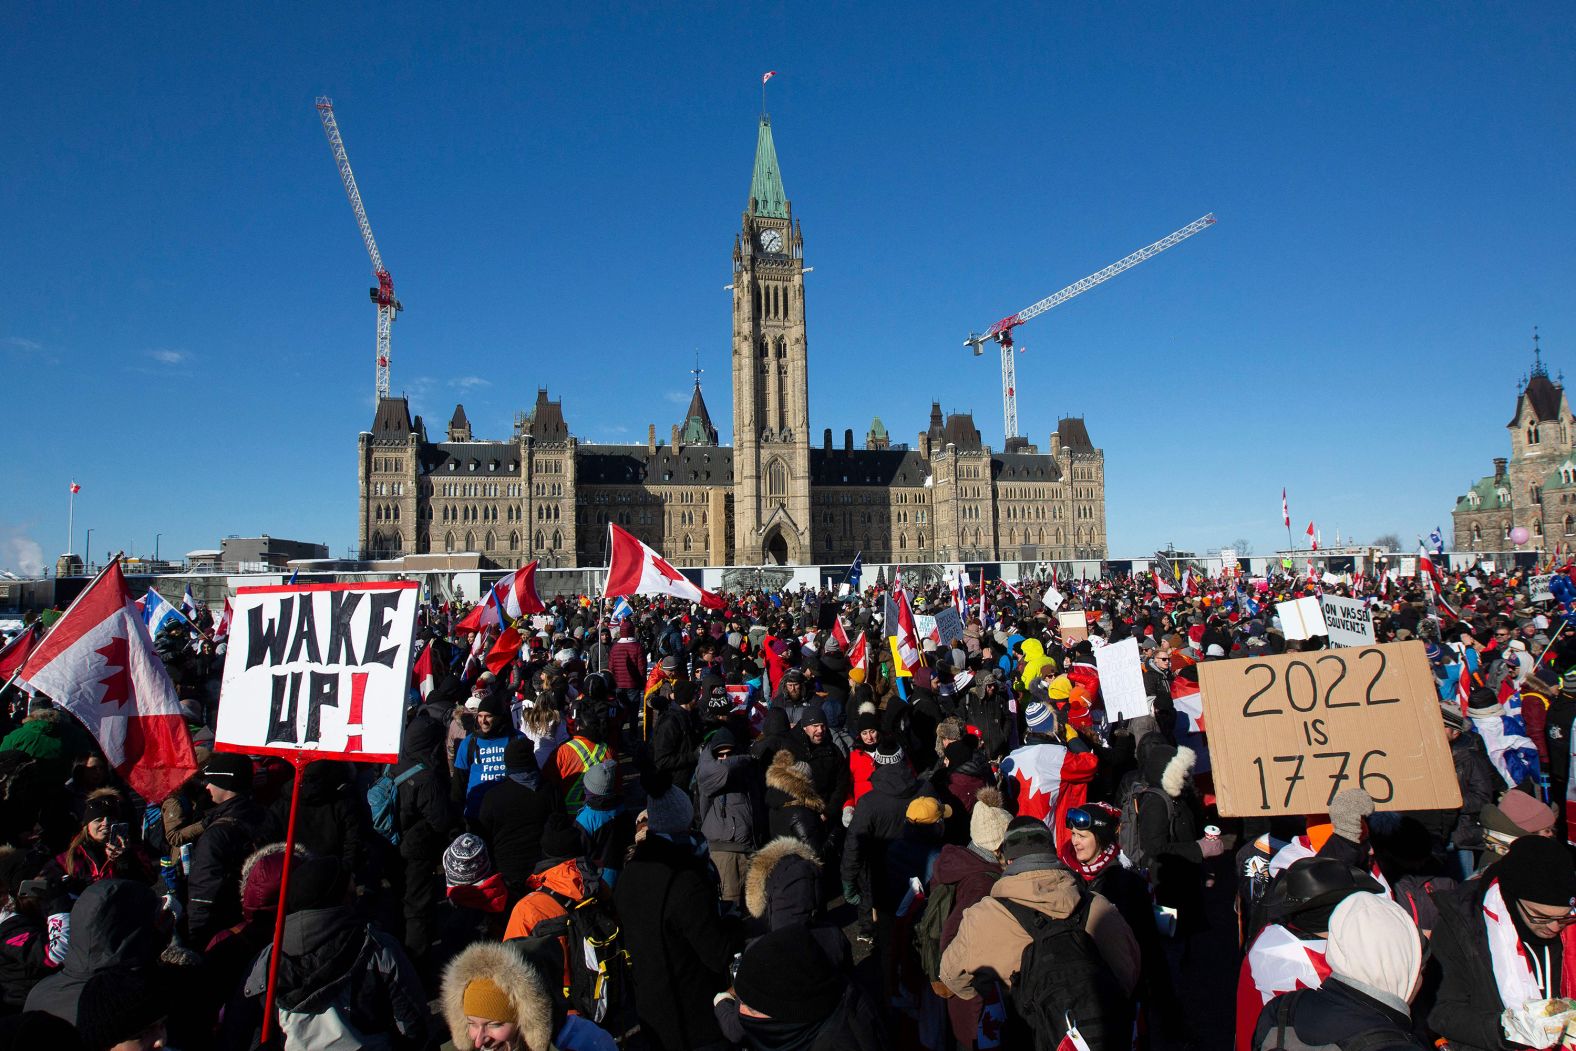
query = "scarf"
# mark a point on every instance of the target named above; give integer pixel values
(1094, 866)
(1519, 974)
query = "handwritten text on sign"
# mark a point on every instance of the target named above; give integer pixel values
(1289, 733)
(319, 668)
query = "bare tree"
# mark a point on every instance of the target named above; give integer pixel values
(1243, 547)
(1387, 542)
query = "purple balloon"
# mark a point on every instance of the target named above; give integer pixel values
(1519, 535)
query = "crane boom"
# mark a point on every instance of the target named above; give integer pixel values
(1001, 331)
(387, 303)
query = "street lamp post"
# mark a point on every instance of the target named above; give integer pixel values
(87, 551)
(156, 537)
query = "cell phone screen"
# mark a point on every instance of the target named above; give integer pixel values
(120, 831)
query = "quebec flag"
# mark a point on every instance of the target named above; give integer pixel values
(622, 611)
(1513, 754)
(158, 614)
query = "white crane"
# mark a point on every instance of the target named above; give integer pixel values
(388, 304)
(1001, 331)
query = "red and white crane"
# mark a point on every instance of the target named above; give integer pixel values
(383, 295)
(1001, 331)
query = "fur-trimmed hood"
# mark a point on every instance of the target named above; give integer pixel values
(1177, 772)
(784, 776)
(761, 865)
(515, 976)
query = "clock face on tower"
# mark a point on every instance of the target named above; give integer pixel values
(771, 241)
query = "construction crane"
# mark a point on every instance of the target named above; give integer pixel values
(388, 304)
(1001, 331)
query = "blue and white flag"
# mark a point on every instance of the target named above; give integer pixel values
(1437, 538)
(188, 604)
(294, 573)
(158, 614)
(622, 610)
(856, 571)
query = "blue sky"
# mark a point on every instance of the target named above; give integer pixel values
(184, 325)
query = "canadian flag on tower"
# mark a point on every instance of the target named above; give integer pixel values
(1285, 510)
(636, 569)
(767, 76)
(98, 664)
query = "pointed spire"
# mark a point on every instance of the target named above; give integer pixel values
(1538, 368)
(697, 428)
(767, 196)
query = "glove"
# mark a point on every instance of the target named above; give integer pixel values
(1522, 1025)
(851, 895)
(848, 816)
(1211, 846)
(1347, 811)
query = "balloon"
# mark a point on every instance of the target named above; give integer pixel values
(1519, 535)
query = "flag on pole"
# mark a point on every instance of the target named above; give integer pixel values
(158, 614)
(506, 649)
(294, 574)
(1313, 536)
(1437, 538)
(622, 610)
(422, 676)
(856, 570)
(487, 613)
(521, 597)
(14, 653)
(636, 569)
(221, 623)
(767, 76)
(1285, 510)
(98, 664)
(75, 488)
(188, 605)
(905, 632)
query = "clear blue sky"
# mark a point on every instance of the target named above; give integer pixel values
(184, 326)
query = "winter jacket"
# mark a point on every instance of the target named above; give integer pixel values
(627, 662)
(511, 820)
(972, 876)
(546, 897)
(424, 813)
(678, 945)
(729, 799)
(1557, 729)
(1467, 1009)
(828, 767)
(879, 818)
(855, 1024)
(88, 862)
(1333, 1015)
(478, 762)
(113, 924)
(544, 1025)
(339, 978)
(1479, 783)
(568, 770)
(50, 736)
(23, 941)
(991, 937)
(1168, 831)
(610, 832)
(782, 886)
(674, 742)
(231, 831)
(861, 768)
(792, 806)
(333, 818)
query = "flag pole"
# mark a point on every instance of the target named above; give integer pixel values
(300, 766)
(71, 520)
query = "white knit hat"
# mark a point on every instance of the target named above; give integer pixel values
(988, 821)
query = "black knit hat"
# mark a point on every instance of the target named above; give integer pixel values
(785, 976)
(561, 839)
(519, 756)
(229, 771)
(105, 806)
(1025, 836)
(119, 1004)
(495, 705)
(888, 753)
(1538, 869)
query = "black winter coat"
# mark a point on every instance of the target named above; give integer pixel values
(1467, 1009)
(23, 939)
(675, 742)
(511, 820)
(880, 817)
(678, 944)
(1334, 1015)
(231, 831)
(112, 925)
(332, 819)
(1479, 783)
(828, 768)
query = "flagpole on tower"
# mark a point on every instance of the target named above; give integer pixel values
(71, 519)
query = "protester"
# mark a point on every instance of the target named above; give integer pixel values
(232, 830)
(513, 814)
(494, 999)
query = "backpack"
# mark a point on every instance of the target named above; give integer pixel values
(597, 965)
(927, 932)
(1127, 831)
(383, 802)
(1282, 1036)
(1062, 980)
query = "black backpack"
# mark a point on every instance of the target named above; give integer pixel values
(1127, 831)
(1063, 979)
(599, 986)
(1282, 1034)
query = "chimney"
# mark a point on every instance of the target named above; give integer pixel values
(675, 436)
(848, 440)
(1499, 468)
(651, 439)
(826, 439)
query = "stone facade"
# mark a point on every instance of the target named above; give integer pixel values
(770, 498)
(1535, 487)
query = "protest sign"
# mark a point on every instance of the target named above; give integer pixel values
(1538, 588)
(1488, 565)
(1347, 621)
(1289, 733)
(925, 627)
(318, 671)
(1074, 626)
(1121, 680)
(1409, 565)
(949, 626)
(1052, 599)
(1300, 619)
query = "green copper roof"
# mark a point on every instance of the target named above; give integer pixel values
(1488, 497)
(766, 186)
(878, 428)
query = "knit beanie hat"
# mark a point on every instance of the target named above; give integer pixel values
(229, 771)
(466, 861)
(120, 1003)
(785, 976)
(1025, 836)
(601, 779)
(1040, 718)
(494, 705)
(1529, 815)
(812, 715)
(867, 719)
(1539, 870)
(102, 804)
(1481, 703)
(670, 813)
(519, 756)
(485, 998)
(888, 753)
(958, 752)
(988, 821)
(1373, 940)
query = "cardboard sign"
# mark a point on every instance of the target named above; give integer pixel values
(1300, 619)
(318, 670)
(1538, 588)
(1074, 626)
(1121, 680)
(1288, 733)
(1409, 565)
(925, 627)
(1052, 599)
(1347, 621)
(949, 626)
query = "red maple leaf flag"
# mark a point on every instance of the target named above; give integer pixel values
(98, 664)
(905, 631)
(75, 488)
(1285, 510)
(522, 597)
(13, 653)
(767, 76)
(636, 569)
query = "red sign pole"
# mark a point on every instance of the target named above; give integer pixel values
(299, 763)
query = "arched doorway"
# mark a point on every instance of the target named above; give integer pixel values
(776, 549)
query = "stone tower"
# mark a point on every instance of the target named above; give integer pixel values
(771, 400)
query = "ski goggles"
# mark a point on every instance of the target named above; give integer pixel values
(1079, 820)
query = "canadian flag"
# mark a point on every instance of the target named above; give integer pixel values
(98, 664)
(506, 649)
(422, 676)
(522, 597)
(14, 653)
(905, 632)
(1313, 536)
(636, 569)
(221, 623)
(1073, 1040)
(489, 612)
(1285, 510)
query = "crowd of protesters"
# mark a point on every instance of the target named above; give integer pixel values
(752, 827)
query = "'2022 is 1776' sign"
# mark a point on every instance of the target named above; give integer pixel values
(318, 671)
(1289, 733)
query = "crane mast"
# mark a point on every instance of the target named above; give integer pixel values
(1001, 331)
(383, 295)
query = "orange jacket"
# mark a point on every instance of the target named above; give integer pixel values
(565, 878)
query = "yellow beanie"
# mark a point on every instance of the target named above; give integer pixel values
(485, 999)
(1059, 688)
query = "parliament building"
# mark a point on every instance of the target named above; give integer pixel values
(774, 496)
